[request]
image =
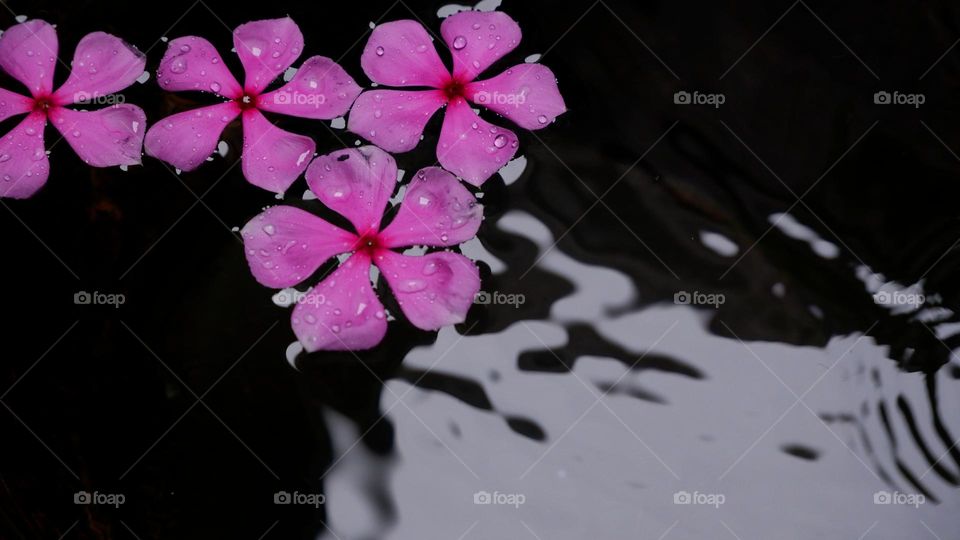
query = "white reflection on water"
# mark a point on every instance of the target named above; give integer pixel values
(610, 464)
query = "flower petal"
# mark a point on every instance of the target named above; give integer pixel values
(320, 89)
(356, 183)
(28, 52)
(272, 157)
(285, 245)
(104, 138)
(185, 140)
(342, 312)
(478, 39)
(526, 94)
(193, 63)
(266, 49)
(434, 290)
(23, 161)
(471, 147)
(436, 211)
(401, 53)
(12, 104)
(102, 64)
(394, 119)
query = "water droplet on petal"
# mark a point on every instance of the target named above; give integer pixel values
(412, 285)
(379, 51)
(459, 42)
(178, 65)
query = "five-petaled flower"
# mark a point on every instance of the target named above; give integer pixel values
(400, 53)
(272, 158)
(286, 245)
(102, 64)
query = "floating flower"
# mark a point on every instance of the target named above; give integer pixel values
(272, 158)
(102, 64)
(400, 53)
(285, 245)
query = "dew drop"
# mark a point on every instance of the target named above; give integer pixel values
(178, 65)
(412, 285)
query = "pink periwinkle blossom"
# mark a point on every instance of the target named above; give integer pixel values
(401, 53)
(285, 245)
(272, 157)
(102, 65)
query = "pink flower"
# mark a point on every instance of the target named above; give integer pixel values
(285, 245)
(400, 53)
(102, 64)
(272, 158)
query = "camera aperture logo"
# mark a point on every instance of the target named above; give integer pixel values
(310, 499)
(109, 499)
(699, 98)
(899, 98)
(897, 498)
(697, 298)
(498, 298)
(96, 298)
(701, 499)
(497, 498)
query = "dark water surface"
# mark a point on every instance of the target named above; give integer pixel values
(791, 410)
